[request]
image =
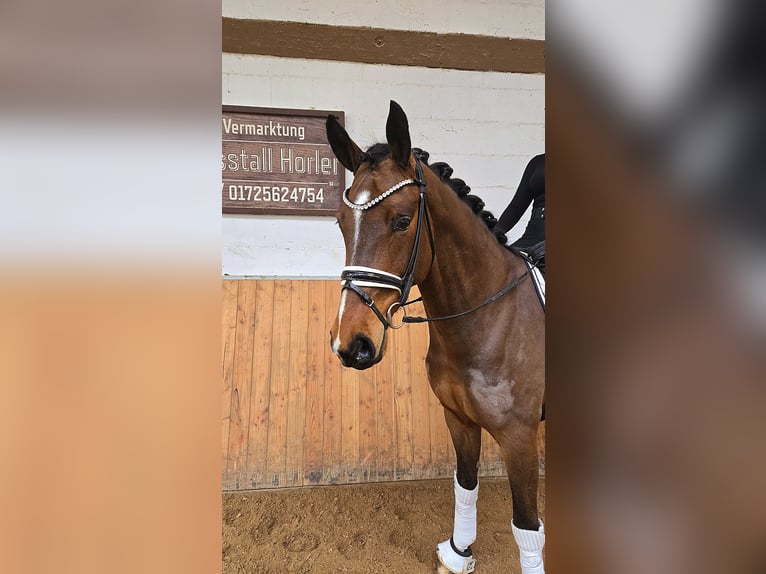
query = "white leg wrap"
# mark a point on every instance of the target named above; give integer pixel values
(458, 559)
(464, 532)
(530, 544)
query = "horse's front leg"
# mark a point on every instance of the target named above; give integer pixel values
(519, 447)
(455, 554)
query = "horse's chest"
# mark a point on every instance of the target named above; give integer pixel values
(478, 395)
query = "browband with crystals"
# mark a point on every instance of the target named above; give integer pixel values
(381, 197)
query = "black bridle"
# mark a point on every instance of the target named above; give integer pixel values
(355, 277)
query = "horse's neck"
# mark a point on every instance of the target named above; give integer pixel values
(469, 264)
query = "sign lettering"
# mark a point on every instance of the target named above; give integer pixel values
(278, 162)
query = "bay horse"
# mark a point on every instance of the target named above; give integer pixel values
(403, 225)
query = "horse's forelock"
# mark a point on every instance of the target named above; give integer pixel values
(375, 154)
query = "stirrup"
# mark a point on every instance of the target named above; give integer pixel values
(453, 560)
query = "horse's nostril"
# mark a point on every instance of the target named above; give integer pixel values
(360, 354)
(364, 350)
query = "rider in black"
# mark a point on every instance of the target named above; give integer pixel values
(531, 190)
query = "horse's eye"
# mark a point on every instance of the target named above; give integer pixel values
(401, 223)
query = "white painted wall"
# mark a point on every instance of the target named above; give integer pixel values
(485, 125)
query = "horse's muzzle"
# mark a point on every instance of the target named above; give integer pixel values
(360, 354)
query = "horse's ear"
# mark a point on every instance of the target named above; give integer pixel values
(398, 134)
(344, 148)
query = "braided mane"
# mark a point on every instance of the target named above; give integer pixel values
(462, 189)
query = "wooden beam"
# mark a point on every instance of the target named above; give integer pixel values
(381, 46)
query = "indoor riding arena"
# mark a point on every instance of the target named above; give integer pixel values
(328, 468)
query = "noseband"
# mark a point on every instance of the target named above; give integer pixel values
(354, 277)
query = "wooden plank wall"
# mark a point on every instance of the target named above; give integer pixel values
(292, 416)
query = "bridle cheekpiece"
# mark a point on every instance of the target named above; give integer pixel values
(355, 277)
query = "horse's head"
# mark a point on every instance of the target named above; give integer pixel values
(381, 220)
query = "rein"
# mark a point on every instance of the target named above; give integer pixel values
(495, 297)
(354, 277)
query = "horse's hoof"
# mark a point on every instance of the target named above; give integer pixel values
(450, 562)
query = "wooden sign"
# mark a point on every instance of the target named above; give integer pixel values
(277, 161)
